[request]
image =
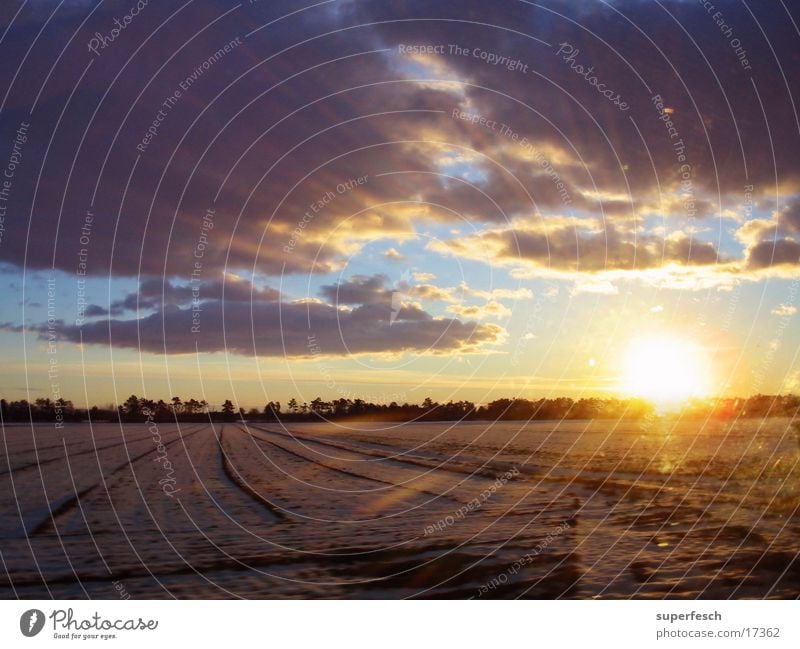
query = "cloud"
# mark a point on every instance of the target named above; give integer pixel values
(769, 254)
(756, 230)
(95, 311)
(597, 184)
(359, 289)
(393, 255)
(433, 293)
(158, 293)
(571, 249)
(492, 309)
(784, 310)
(789, 217)
(268, 326)
(278, 154)
(423, 277)
(771, 245)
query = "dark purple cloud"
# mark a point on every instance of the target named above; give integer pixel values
(155, 293)
(779, 252)
(789, 217)
(359, 289)
(298, 124)
(569, 248)
(268, 327)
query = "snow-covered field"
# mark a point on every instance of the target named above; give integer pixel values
(512, 509)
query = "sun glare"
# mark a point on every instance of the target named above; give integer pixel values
(665, 370)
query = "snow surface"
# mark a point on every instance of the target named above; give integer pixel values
(577, 509)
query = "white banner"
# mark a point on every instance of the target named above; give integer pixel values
(400, 624)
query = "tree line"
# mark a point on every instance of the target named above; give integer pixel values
(176, 409)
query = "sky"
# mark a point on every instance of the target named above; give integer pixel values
(395, 200)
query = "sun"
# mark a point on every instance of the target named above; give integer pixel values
(665, 369)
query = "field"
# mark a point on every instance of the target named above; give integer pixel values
(655, 509)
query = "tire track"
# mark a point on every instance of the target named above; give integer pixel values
(32, 465)
(353, 474)
(488, 472)
(236, 479)
(73, 501)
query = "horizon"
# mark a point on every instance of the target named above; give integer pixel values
(283, 406)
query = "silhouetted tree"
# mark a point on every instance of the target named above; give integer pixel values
(131, 406)
(177, 405)
(228, 410)
(272, 411)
